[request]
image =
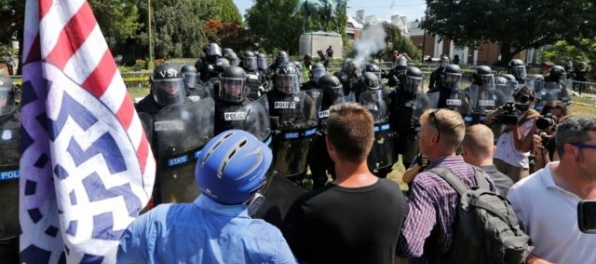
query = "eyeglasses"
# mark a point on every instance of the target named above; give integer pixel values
(436, 123)
(583, 145)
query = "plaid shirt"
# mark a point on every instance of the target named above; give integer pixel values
(432, 203)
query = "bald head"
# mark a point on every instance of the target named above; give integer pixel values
(478, 141)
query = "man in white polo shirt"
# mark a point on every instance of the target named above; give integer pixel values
(546, 202)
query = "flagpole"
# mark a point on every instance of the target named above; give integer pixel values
(150, 62)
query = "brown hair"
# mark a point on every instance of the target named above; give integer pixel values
(449, 125)
(350, 129)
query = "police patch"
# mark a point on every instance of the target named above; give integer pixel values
(284, 105)
(324, 114)
(169, 125)
(486, 103)
(235, 116)
(453, 102)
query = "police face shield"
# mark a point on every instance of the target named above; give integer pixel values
(288, 83)
(334, 93)
(6, 100)
(168, 91)
(190, 79)
(317, 74)
(413, 84)
(262, 63)
(452, 80)
(232, 90)
(282, 59)
(214, 50)
(488, 82)
(519, 72)
(250, 63)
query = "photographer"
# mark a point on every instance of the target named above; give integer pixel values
(515, 143)
(544, 144)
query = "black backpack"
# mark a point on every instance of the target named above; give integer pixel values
(486, 229)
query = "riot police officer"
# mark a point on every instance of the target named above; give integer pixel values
(483, 95)
(320, 163)
(282, 57)
(167, 88)
(9, 171)
(231, 56)
(407, 103)
(263, 68)
(317, 71)
(194, 89)
(555, 86)
(397, 74)
(449, 94)
(253, 78)
(518, 69)
(212, 53)
(234, 110)
(382, 155)
(436, 77)
(294, 119)
(349, 76)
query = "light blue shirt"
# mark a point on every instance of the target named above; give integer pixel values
(202, 232)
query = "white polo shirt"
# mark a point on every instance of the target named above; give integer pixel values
(549, 216)
(506, 150)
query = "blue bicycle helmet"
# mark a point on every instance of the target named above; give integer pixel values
(232, 166)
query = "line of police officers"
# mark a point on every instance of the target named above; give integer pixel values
(188, 106)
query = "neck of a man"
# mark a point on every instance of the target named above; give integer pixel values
(353, 175)
(439, 151)
(566, 176)
(480, 160)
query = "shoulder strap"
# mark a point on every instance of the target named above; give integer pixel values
(481, 181)
(448, 176)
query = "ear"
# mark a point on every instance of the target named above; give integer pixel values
(570, 150)
(330, 147)
(494, 149)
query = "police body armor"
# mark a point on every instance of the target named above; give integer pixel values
(551, 91)
(294, 118)
(382, 154)
(457, 101)
(252, 117)
(180, 132)
(482, 102)
(202, 90)
(255, 84)
(10, 128)
(405, 121)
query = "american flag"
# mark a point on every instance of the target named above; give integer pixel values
(86, 166)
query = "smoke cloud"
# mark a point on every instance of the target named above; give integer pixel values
(371, 40)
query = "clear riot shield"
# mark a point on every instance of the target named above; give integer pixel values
(483, 101)
(181, 131)
(253, 118)
(506, 91)
(324, 113)
(382, 154)
(9, 176)
(297, 120)
(537, 83)
(551, 91)
(410, 143)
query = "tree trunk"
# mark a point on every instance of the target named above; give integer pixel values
(506, 54)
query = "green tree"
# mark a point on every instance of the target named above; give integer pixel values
(118, 19)
(562, 52)
(513, 24)
(396, 41)
(226, 11)
(270, 21)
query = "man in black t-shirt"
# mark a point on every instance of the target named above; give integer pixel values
(358, 217)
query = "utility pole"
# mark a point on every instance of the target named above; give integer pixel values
(150, 62)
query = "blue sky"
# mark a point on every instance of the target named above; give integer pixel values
(383, 9)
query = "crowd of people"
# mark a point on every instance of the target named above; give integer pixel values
(234, 138)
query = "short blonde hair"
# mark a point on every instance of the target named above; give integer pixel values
(350, 128)
(449, 124)
(479, 140)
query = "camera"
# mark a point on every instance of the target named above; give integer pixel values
(508, 116)
(546, 121)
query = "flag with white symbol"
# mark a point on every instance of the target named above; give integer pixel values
(86, 166)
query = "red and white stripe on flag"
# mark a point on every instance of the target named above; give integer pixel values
(86, 166)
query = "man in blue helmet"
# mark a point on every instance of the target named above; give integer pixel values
(217, 226)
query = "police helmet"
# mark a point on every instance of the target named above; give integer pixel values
(262, 61)
(414, 79)
(221, 64)
(232, 167)
(167, 85)
(317, 71)
(374, 68)
(444, 61)
(282, 57)
(518, 69)
(483, 76)
(331, 86)
(214, 50)
(452, 75)
(371, 81)
(376, 62)
(189, 75)
(557, 74)
(249, 61)
(226, 52)
(287, 78)
(232, 85)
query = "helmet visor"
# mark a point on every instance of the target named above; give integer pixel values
(168, 91)
(317, 73)
(288, 83)
(214, 50)
(413, 84)
(232, 90)
(190, 79)
(262, 63)
(519, 72)
(250, 63)
(444, 62)
(452, 80)
(488, 81)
